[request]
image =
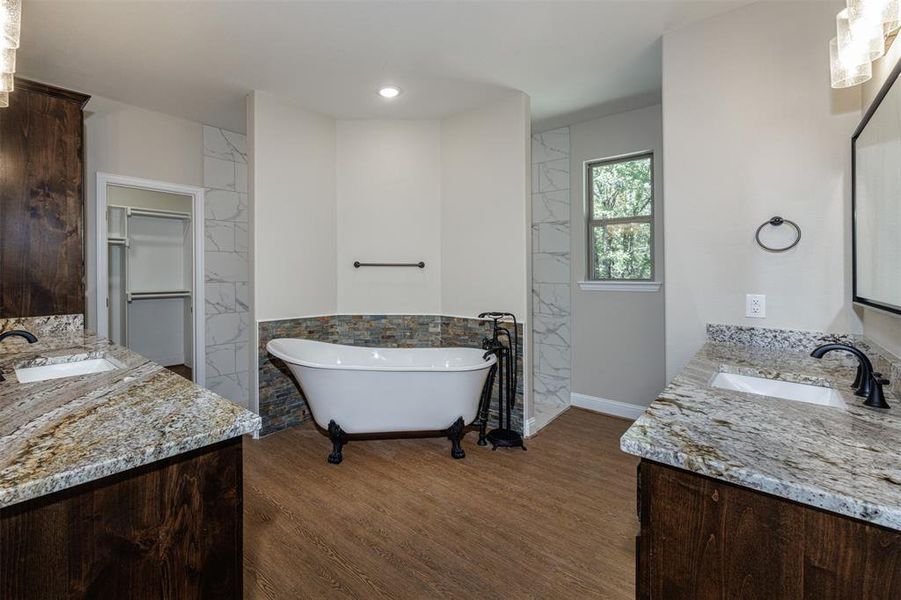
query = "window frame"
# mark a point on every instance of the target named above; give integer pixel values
(591, 222)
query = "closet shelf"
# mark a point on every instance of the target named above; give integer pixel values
(154, 212)
(155, 295)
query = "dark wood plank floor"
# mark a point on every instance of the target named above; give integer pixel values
(401, 519)
(182, 370)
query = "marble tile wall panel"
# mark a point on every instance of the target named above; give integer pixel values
(226, 262)
(553, 175)
(220, 298)
(282, 403)
(551, 274)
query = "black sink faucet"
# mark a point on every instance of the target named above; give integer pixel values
(17, 333)
(863, 381)
(868, 384)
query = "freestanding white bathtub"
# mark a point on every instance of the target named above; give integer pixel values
(357, 390)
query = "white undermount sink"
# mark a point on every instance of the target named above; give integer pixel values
(799, 392)
(64, 369)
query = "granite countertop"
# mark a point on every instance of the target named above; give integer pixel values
(846, 461)
(59, 433)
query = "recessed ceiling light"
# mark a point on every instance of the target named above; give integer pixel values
(389, 91)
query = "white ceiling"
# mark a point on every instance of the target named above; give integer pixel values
(199, 59)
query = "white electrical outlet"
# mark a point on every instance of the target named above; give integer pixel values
(755, 306)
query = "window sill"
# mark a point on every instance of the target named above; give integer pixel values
(620, 286)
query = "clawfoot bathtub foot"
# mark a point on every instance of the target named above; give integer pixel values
(455, 435)
(337, 436)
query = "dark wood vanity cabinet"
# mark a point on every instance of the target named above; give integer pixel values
(41, 202)
(705, 538)
(170, 529)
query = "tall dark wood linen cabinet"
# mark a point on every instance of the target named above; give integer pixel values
(42, 202)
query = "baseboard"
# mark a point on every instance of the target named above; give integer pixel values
(537, 423)
(607, 407)
(529, 429)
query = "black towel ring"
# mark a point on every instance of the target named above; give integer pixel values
(776, 222)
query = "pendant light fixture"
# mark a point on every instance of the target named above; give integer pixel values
(847, 73)
(861, 31)
(859, 40)
(10, 29)
(7, 60)
(10, 23)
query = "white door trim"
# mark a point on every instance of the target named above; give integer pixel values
(197, 196)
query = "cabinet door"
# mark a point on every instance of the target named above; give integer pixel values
(41, 202)
(705, 538)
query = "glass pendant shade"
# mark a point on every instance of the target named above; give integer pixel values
(6, 82)
(859, 39)
(846, 74)
(891, 16)
(10, 23)
(887, 12)
(4, 99)
(7, 60)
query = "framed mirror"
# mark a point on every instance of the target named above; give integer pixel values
(876, 201)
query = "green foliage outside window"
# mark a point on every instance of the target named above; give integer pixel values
(621, 221)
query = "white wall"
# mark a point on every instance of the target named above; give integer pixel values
(485, 220)
(389, 210)
(883, 328)
(303, 180)
(294, 216)
(325, 193)
(126, 140)
(618, 344)
(752, 129)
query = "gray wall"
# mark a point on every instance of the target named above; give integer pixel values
(752, 130)
(618, 343)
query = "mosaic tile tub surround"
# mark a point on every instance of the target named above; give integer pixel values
(282, 404)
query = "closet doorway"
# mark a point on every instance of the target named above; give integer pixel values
(150, 270)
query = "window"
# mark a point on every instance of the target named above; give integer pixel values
(621, 219)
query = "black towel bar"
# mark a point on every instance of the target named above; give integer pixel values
(358, 264)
